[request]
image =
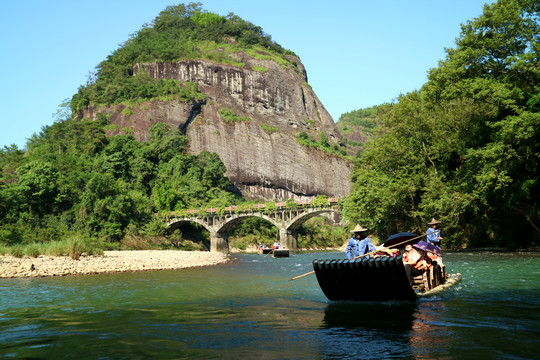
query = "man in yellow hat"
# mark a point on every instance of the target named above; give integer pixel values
(359, 244)
(433, 233)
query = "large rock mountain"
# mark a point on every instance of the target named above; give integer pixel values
(262, 154)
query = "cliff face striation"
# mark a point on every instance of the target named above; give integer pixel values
(261, 152)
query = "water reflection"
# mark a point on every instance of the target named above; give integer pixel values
(393, 317)
(384, 330)
(367, 330)
(428, 340)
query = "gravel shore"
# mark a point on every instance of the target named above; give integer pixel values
(110, 261)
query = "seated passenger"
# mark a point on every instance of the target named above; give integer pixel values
(437, 264)
(414, 261)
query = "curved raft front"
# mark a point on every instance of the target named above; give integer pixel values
(378, 279)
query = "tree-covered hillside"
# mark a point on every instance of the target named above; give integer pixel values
(465, 148)
(357, 128)
(180, 32)
(75, 181)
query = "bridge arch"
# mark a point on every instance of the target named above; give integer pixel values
(297, 221)
(174, 223)
(287, 219)
(289, 232)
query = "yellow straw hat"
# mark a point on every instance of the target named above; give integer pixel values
(358, 228)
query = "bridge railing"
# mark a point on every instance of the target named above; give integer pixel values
(250, 208)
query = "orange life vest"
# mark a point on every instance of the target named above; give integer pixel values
(411, 256)
(417, 260)
(435, 257)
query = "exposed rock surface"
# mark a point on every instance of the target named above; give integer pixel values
(262, 162)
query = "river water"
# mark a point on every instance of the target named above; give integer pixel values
(250, 309)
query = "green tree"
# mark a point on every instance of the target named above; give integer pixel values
(465, 147)
(38, 186)
(165, 142)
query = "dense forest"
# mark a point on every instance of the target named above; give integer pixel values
(465, 147)
(75, 182)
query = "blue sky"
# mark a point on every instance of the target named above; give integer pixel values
(357, 53)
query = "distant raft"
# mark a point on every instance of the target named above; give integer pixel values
(375, 279)
(280, 253)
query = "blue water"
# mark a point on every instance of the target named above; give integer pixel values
(251, 309)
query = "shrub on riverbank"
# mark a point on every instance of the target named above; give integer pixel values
(73, 246)
(318, 233)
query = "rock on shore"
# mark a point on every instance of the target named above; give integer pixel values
(110, 261)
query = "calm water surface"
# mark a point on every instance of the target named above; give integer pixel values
(250, 309)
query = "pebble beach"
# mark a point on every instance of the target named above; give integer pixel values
(110, 261)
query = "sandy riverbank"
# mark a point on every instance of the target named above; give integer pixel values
(110, 261)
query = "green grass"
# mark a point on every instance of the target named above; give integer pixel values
(230, 116)
(127, 111)
(308, 141)
(260, 69)
(268, 129)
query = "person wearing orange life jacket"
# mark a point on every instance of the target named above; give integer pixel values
(414, 261)
(434, 257)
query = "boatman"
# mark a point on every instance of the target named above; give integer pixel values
(359, 244)
(434, 234)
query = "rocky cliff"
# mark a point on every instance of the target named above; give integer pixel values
(261, 152)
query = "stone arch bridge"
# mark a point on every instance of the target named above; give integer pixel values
(286, 218)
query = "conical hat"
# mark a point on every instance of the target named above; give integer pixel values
(433, 222)
(358, 228)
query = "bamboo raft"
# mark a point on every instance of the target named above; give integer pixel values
(376, 279)
(275, 252)
(280, 253)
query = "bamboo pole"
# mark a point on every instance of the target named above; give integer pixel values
(366, 254)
